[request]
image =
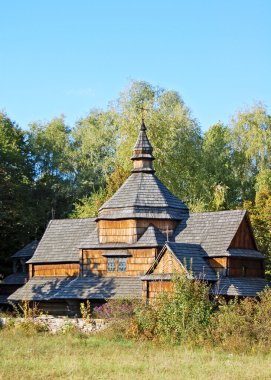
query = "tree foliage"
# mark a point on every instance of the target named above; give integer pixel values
(16, 207)
(53, 170)
(174, 134)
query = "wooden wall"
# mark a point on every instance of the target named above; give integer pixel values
(137, 265)
(117, 231)
(151, 289)
(219, 264)
(54, 269)
(243, 237)
(130, 230)
(167, 264)
(68, 307)
(163, 225)
(240, 267)
(55, 308)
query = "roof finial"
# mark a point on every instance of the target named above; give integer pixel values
(143, 126)
(142, 156)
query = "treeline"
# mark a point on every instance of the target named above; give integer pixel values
(53, 171)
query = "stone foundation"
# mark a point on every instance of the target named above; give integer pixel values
(58, 324)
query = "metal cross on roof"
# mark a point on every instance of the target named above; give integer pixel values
(142, 109)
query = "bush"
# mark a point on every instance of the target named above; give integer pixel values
(243, 325)
(116, 308)
(120, 313)
(182, 314)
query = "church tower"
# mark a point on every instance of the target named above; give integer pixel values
(142, 200)
(143, 157)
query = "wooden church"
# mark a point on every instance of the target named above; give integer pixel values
(142, 235)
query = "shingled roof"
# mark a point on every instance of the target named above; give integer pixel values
(239, 286)
(61, 240)
(152, 237)
(91, 287)
(191, 257)
(214, 231)
(18, 278)
(241, 252)
(143, 148)
(94, 287)
(143, 195)
(40, 288)
(26, 251)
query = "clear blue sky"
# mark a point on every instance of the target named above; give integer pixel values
(63, 56)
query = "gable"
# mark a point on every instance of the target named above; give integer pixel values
(167, 264)
(213, 231)
(244, 237)
(177, 257)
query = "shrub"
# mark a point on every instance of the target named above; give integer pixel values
(243, 325)
(182, 314)
(116, 308)
(119, 312)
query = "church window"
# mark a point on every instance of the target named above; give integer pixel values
(116, 264)
(122, 264)
(111, 264)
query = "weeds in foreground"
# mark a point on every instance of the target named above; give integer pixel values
(184, 316)
(187, 315)
(26, 312)
(85, 311)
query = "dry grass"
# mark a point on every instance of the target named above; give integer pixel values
(41, 356)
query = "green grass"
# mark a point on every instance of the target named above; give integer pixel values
(42, 356)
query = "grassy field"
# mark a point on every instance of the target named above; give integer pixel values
(74, 357)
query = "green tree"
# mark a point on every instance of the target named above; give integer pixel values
(51, 153)
(174, 134)
(260, 215)
(104, 142)
(94, 146)
(88, 207)
(251, 139)
(220, 180)
(17, 213)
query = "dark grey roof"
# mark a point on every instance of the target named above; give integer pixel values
(15, 279)
(40, 288)
(27, 251)
(143, 195)
(142, 148)
(4, 299)
(249, 253)
(152, 237)
(239, 286)
(214, 231)
(61, 240)
(190, 257)
(94, 287)
(144, 213)
(193, 258)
